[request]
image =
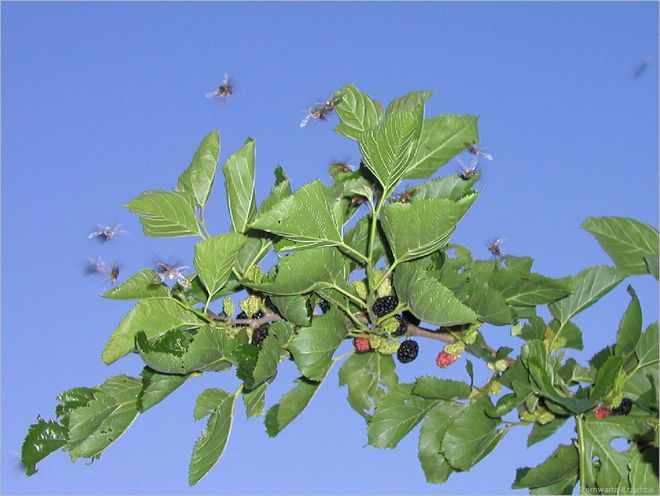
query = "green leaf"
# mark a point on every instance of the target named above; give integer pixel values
(305, 271)
(72, 399)
(182, 352)
(630, 327)
(280, 190)
(396, 415)
(652, 265)
(562, 463)
(606, 377)
(198, 178)
(210, 445)
(388, 148)
(156, 387)
(357, 112)
(436, 468)
(627, 241)
(239, 182)
(214, 259)
(541, 432)
(470, 436)
(489, 304)
(367, 375)
(443, 137)
(313, 347)
(306, 218)
(268, 359)
(597, 438)
(527, 288)
(290, 406)
(428, 299)
(294, 309)
(154, 317)
(254, 400)
(564, 486)
(93, 427)
(408, 102)
(43, 438)
(417, 229)
(449, 187)
(140, 286)
(164, 214)
(433, 388)
(643, 475)
(586, 289)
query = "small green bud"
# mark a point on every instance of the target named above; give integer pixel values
(254, 273)
(527, 416)
(544, 416)
(494, 387)
(228, 307)
(361, 289)
(233, 331)
(251, 305)
(474, 394)
(389, 325)
(385, 288)
(455, 348)
(516, 330)
(469, 336)
(501, 365)
(383, 345)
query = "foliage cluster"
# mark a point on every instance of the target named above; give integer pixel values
(343, 248)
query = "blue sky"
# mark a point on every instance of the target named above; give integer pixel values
(101, 101)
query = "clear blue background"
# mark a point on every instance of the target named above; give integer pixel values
(101, 101)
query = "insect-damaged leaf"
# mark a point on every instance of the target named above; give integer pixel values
(43, 438)
(165, 214)
(93, 427)
(198, 178)
(210, 445)
(154, 317)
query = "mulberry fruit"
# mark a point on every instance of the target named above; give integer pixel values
(602, 412)
(408, 350)
(386, 304)
(258, 336)
(404, 319)
(324, 305)
(624, 408)
(271, 306)
(361, 344)
(445, 359)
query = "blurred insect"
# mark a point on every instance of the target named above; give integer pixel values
(171, 272)
(94, 266)
(465, 172)
(320, 111)
(642, 67)
(225, 90)
(478, 152)
(495, 247)
(405, 196)
(113, 273)
(106, 233)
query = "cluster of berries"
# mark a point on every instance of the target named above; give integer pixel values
(623, 409)
(406, 352)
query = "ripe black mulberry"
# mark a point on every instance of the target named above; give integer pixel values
(383, 306)
(624, 408)
(243, 315)
(408, 350)
(258, 336)
(324, 305)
